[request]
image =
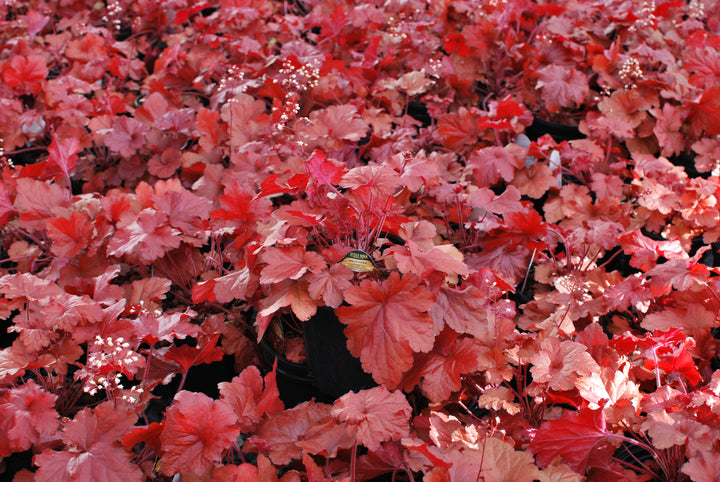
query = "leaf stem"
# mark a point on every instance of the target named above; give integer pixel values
(657, 369)
(527, 271)
(353, 460)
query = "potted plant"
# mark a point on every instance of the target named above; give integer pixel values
(330, 231)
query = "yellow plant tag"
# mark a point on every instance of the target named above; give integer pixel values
(358, 261)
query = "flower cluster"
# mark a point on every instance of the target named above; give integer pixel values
(108, 360)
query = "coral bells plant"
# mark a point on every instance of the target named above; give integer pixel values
(184, 182)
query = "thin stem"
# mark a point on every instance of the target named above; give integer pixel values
(482, 461)
(657, 369)
(20, 151)
(611, 258)
(527, 271)
(146, 372)
(353, 460)
(184, 377)
(643, 468)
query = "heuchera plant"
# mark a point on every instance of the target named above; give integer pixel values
(177, 175)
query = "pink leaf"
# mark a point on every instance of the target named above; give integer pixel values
(126, 136)
(490, 164)
(289, 263)
(197, 431)
(387, 322)
(336, 124)
(163, 327)
(278, 436)
(377, 415)
(91, 452)
(25, 413)
(146, 236)
(562, 87)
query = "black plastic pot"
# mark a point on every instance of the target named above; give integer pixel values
(330, 370)
(293, 379)
(559, 132)
(334, 369)
(419, 112)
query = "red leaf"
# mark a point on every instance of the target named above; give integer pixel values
(247, 119)
(277, 185)
(387, 322)
(235, 285)
(645, 252)
(26, 71)
(680, 361)
(678, 273)
(559, 363)
(197, 431)
(455, 42)
(204, 291)
(71, 235)
(246, 396)
(102, 463)
(702, 467)
(423, 256)
(6, 206)
(184, 210)
(187, 356)
(573, 436)
(380, 181)
(240, 205)
(659, 339)
(329, 285)
(29, 286)
(327, 437)
(63, 154)
(287, 293)
(322, 171)
(314, 472)
(458, 129)
(149, 434)
(440, 373)
(182, 15)
(424, 449)
(207, 124)
(377, 414)
(667, 347)
(148, 291)
(524, 229)
(704, 115)
(508, 108)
